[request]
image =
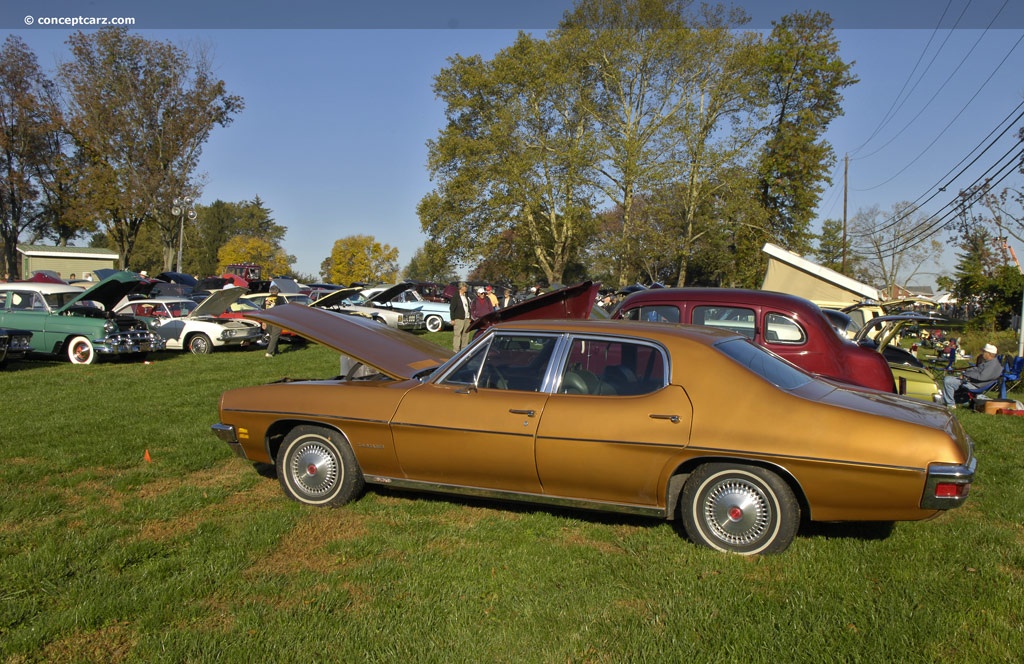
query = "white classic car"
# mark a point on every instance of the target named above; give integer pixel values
(403, 297)
(351, 301)
(185, 325)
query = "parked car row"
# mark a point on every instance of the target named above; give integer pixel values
(77, 324)
(198, 328)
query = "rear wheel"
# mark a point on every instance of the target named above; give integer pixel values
(739, 509)
(80, 351)
(316, 466)
(434, 323)
(200, 344)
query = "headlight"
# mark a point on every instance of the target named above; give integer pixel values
(109, 327)
(19, 342)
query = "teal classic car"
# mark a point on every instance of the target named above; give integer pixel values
(75, 323)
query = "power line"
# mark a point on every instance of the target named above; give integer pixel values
(896, 102)
(1009, 121)
(937, 221)
(962, 110)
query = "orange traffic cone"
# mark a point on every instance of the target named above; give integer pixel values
(146, 457)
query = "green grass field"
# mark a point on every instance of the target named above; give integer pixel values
(196, 556)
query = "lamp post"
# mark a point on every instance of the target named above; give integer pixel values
(181, 208)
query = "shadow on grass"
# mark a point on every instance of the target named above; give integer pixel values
(860, 530)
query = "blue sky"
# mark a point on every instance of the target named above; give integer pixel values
(336, 120)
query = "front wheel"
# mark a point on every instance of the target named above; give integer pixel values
(739, 509)
(80, 351)
(317, 467)
(200, 344)
(434, 323)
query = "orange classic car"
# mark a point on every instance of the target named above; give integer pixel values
(673, 422)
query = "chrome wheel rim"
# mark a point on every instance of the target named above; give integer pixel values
(198, 346)
(737, 512)
(315, 469)
(81, 351)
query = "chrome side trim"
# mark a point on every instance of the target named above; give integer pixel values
(516, 496)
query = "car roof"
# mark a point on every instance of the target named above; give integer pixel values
(41, 287)
(651, 331)
(723, 296)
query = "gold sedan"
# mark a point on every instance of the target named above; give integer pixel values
(666, 421)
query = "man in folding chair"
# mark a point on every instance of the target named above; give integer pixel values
(987, 371)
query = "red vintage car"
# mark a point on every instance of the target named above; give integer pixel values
(790, 326)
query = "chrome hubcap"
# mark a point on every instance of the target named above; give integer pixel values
(315, 469)
(737, 512)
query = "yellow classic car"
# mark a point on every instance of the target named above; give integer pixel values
(668, 421)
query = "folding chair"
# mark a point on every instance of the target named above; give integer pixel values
(977, 390)
(1011, 376)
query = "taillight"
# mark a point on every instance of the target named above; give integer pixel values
(951, 490)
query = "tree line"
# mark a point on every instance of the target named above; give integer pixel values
(648, 140)
(106, 145)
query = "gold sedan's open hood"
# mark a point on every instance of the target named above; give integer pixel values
(394, 353)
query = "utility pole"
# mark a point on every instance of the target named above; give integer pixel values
(846, 173)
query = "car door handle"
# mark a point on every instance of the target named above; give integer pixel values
(674, 419)
(518, 411)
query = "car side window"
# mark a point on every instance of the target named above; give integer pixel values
(512, 361)
(740, 320)
(607, 367)
(781, 329)
(655, 313)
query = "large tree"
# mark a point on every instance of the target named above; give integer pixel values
(513, 157)
(30, 147)
(675, 104)
(886, 245)
(431, 263)
(360, 258)
(247, 249)
(804, 79)
(140, 111)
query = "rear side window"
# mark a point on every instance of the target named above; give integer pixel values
(740, 320)
(657, 313)
(781, 329)
(612, 367)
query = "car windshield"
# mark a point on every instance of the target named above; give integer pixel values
(182, 308)
(766, 365)
(244, 305)
(58, 300)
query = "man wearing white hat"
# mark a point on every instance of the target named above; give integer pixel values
(987, 370)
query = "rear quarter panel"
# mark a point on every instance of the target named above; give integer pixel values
(849, 464)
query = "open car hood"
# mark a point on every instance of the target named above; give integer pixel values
(569, 302)
(388, 294)
(334, 298)
(890, 326)
(108, 292)
(392, 352)
(218, 302)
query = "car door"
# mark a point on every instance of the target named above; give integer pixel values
(476, 425)
(168, 327)
(27, 310)
(613, 442)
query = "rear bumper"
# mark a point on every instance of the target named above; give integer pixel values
(947, 486)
